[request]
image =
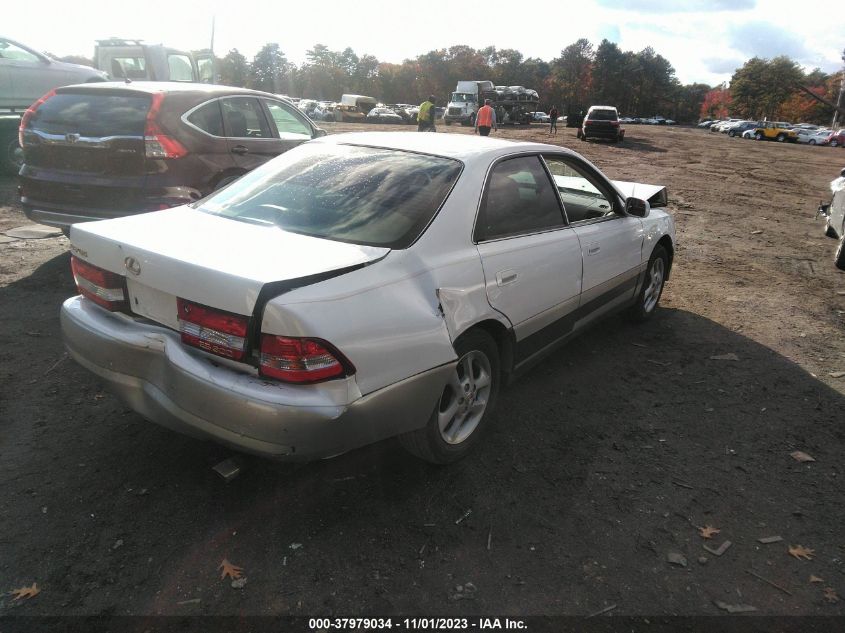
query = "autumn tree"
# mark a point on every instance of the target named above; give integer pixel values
(716, 104)
(760, 86)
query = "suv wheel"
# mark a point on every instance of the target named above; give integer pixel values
(759, 136)
(11, 159)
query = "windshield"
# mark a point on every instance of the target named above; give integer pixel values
(463, 97)
(362, 195)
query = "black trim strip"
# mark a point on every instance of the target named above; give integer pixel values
(562, 327)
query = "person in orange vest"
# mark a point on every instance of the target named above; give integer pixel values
(485, 119)
(425, 117)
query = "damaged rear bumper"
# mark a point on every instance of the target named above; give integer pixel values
(153, 373)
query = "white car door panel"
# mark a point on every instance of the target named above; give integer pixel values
(531, 259)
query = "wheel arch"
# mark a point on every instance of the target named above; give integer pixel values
(669, 247)
(502, 336)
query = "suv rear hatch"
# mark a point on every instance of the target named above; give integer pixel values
(84, 152)
(604, 123)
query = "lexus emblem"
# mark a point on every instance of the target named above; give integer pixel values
(71, 137)
(132, 265)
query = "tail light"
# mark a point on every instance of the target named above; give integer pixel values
(157, 144)
(30, 111)
(301, 360)
(103, 287)
(615, 123)
(587, 122)
(215, 331)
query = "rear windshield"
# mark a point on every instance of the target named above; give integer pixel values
(603, 115)
(93, 114)
(362, 195)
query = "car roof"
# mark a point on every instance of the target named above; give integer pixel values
(150, 87)
(459, 146)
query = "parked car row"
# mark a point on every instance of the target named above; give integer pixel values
(780, 131)
(655, 120)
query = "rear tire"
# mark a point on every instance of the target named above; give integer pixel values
(780, 138)
(834, 143)
(655, 279)
(732, 133)
(829, 231)
(463, 410)
(759, 136)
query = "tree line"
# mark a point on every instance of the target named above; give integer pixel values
(768, 89)
(639, 83)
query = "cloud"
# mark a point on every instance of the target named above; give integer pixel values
(673, 6)
(722, 65)
(768, 40)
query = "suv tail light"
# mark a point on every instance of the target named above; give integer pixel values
(215, 331)
(301, 360)
(615, 123)
(103, 287)
(27, 115)
(157, 144)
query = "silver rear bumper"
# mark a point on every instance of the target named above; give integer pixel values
(150, 369)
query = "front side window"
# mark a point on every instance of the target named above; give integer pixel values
(287, 123)
(583, 196)
(519, 199)
(180, 68)
(362, 195)
(245, 118)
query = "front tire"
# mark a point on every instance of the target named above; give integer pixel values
(834, 143)
(462, 413)
(839, 256)
(758, 136)
(655, 279)
(780, 138)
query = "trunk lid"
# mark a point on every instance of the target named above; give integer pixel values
(207, 259)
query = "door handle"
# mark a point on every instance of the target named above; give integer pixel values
(592, 249)
(504, 277)
(240, 150)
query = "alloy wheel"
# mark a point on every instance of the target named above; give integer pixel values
(465, 397)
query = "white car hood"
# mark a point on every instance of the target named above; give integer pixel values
(210, 259)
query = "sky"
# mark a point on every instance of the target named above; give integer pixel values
(705, 40)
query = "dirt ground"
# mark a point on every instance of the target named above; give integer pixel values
(605, 458)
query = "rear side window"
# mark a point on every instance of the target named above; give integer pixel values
(208, 118)
(362, 195)
(92, 114)
(603, 115)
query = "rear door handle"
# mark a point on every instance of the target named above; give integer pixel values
(504, 277)
(592, 249)
(240, 150)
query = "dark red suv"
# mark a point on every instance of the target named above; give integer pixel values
(98, 151)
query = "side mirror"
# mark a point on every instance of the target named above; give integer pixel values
(636, 207)
(318, 132)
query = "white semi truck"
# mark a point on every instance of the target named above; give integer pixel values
(465, 101)
(513, 104)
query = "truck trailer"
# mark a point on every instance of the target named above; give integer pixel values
(513, 104)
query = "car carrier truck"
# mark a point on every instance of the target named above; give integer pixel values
(513, 104)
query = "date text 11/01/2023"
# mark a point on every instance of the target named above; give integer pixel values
(428, 624)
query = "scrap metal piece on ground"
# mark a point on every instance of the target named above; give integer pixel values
(33, 232)
(720, 550)
(769, 582)
(674, 558)
(728, 356)
(801, 456)
(229, 468)
(770, 539)
(735, 608)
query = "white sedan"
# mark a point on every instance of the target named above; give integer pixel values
(360, 287)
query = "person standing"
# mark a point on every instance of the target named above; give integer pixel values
(485, 119)
(425, 117)
(553, 113)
